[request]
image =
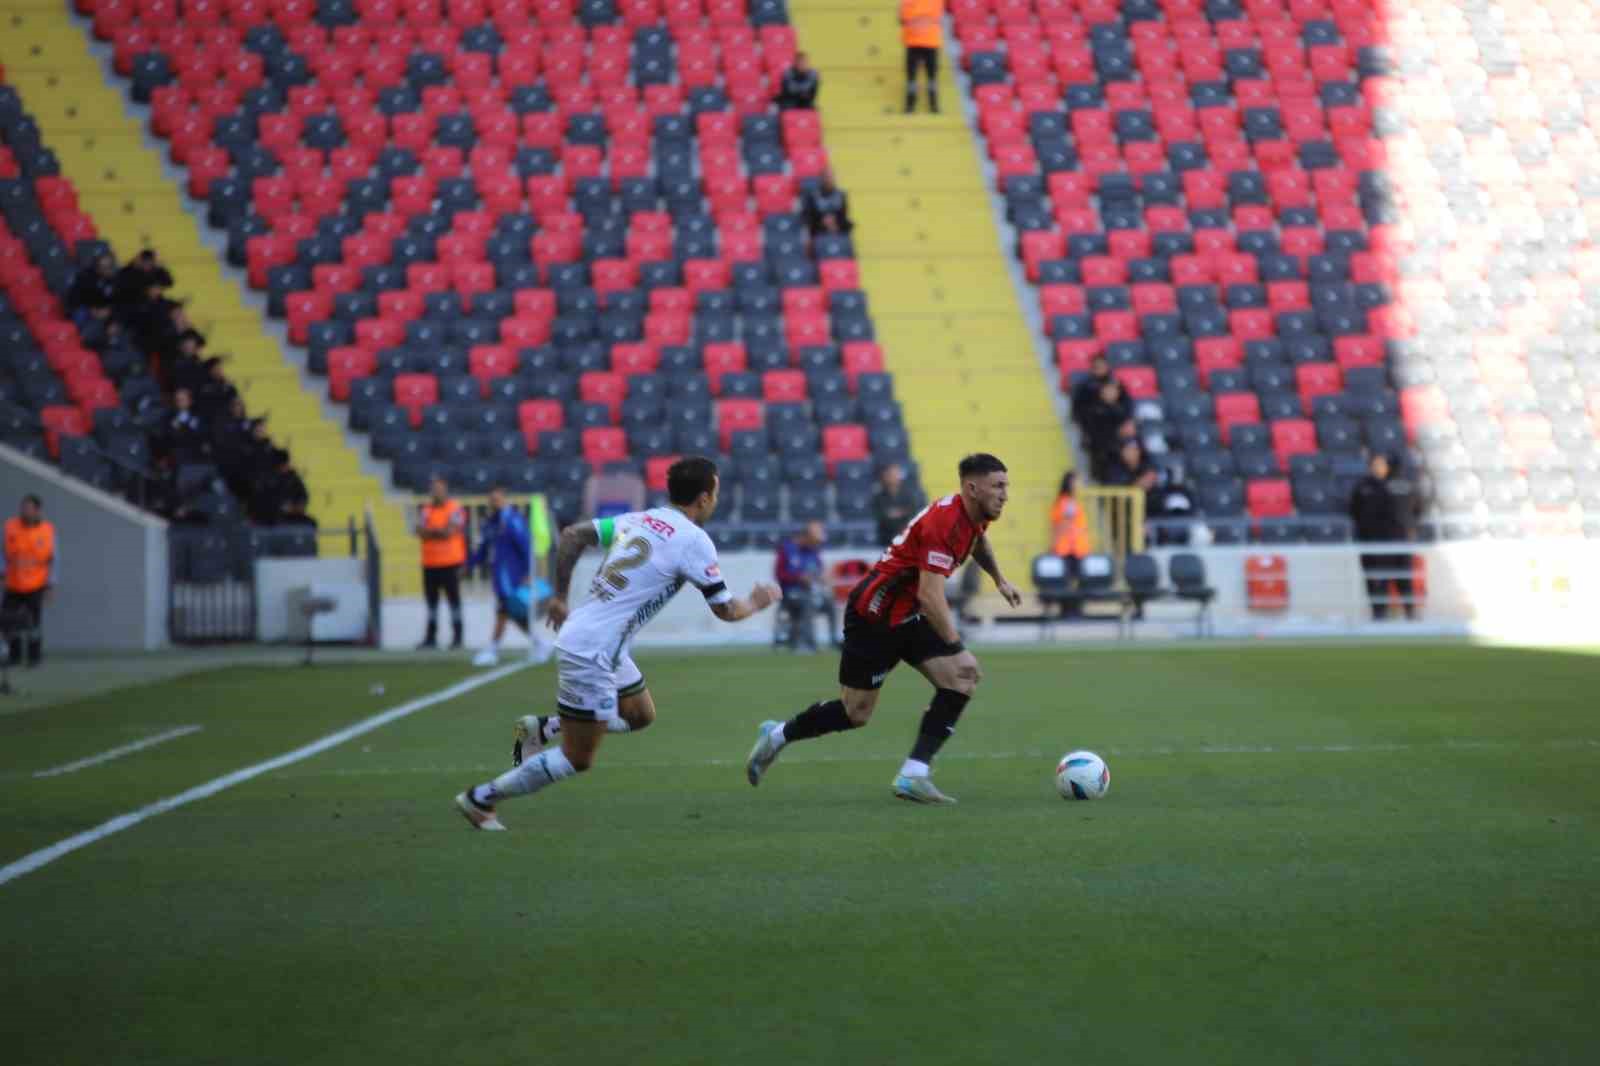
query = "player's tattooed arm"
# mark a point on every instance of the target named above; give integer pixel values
(575, 540)
(983, 555)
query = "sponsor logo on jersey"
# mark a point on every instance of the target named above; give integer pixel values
(714, 572)
(656, 525)
(941, 559)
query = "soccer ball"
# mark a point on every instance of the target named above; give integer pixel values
(1082, 775)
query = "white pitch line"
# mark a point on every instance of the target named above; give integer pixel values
(44, 856)
(117, 753)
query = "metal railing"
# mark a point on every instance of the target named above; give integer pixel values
(1116, 520)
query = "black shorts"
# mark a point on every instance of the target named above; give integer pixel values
(871, 651)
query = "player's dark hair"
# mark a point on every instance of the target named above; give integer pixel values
(1069, 483)
(31, 498)
(690, 478)
(980, 464)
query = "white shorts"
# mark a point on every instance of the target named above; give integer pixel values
(589, 688)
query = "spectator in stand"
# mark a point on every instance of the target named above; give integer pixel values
(1085, 391)
(274, 494)
(94, 290)
(805, 591)
(215, 395)
(30, 572)
(1069, 524)
(144, 279)
(895, 503)
(826, 208)
(1381, 514)
(1107, 424)
(1172, 502)
(797, 90)
(184, 439)
(922, 32)
(1129, 466)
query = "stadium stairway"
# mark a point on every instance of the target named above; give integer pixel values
(122, 186)
(947, 313)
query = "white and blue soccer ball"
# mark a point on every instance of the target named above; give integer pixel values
(1082, 775)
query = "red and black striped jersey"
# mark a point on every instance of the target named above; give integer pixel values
(938, 540)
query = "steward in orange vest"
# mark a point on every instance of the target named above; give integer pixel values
(1069, 524)
(30, 570)
(922, 32)
(443, 529)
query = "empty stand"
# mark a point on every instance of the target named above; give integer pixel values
(565, 232)
(1261, 223)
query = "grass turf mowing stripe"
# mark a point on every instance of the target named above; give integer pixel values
(117, 753)
(44, 856)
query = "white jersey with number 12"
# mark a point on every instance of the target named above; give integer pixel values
(650, 556)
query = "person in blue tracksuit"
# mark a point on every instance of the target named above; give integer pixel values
(506, 546)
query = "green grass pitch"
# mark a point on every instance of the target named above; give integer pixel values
(1308, 855)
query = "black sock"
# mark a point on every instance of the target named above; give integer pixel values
(938, 723)
(818, 720)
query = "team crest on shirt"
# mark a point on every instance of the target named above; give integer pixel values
(941, 559)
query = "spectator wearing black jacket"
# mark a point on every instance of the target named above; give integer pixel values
(1381, 514)
(95, 287)
(215, 395)
(1085, 391)
(185, 437)
(826, 208)
(1107, 423)
(278, 492)
(144, 279)
(797, 89)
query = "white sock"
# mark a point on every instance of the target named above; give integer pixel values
(913, 768)
(776, 733)
(545, 768)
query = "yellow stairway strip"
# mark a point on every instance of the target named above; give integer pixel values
(121, 184)
(948, 317)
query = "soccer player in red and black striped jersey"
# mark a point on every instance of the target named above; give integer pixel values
(898, 613)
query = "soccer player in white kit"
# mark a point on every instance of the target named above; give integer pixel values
(650, 555)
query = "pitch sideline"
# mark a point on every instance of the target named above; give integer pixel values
(44, 856)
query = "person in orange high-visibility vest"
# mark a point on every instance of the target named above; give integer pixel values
(922, 32)
(30, 571)
(443, 529)
(1068, 523)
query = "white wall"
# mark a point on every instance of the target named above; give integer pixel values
(1546, 589)
(111, 579)
(344, 579)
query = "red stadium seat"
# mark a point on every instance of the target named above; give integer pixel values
(783, 386)
(1269, 498)
(1293, 436)
(844, 443)
(602, 445)
(1234, 408)
(735, 416)
(604, 386)
(721, 358)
